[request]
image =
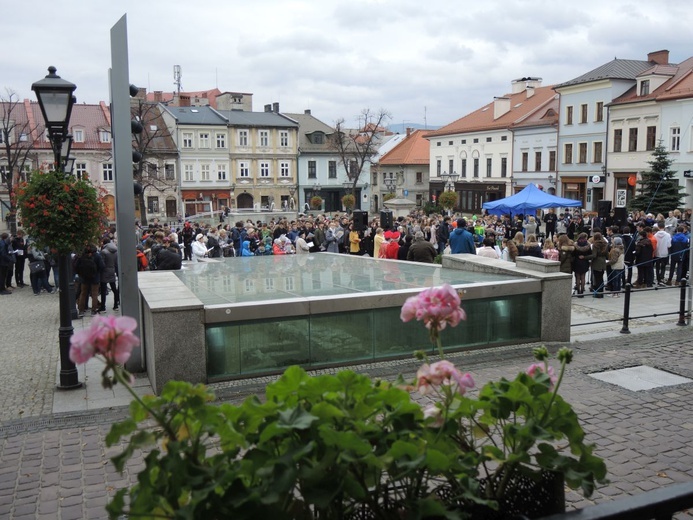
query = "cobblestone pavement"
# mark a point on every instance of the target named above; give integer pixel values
(56, 465)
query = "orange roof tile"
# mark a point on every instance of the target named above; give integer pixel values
(544, 115)
(482, 119)
(414, 149)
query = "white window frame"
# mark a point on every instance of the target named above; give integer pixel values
(597, 159)
(566, 159)
(265, 170)
(221, 140)
(189, 172)
(675, 139)
(204, 172)
(284, 139)
(221, 172)
(187, 139)
(264, 138)
(244, 169)
(153, 199)
(285, 169)
(107, 172)
(104, 136)
(78, 135)
(243, 137)
(203, 139)
(81, 170)
(583, 145)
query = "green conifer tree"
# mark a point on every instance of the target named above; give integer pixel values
(658, 190)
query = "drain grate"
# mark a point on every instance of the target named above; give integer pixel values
(640, 378)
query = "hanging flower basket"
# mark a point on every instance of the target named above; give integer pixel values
(348, 201)
(448, 199)
(60, 211)
(316, 202)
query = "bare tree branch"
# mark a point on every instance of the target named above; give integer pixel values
(16, 143)
(356, 147)
(155, 144)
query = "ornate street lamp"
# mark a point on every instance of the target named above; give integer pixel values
(390, 184)
(55, 99)
(450, 179)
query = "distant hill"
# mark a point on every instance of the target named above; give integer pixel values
(401, 128)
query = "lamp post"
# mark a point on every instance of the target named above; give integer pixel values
(450, 179)
(390, 184)
(55, 99)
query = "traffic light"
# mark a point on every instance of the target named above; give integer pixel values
(136, 128)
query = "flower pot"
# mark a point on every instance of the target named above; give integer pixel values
(528, 495)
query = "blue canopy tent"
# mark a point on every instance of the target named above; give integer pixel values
(527, 201)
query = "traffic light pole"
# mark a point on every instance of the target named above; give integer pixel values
(124, 197)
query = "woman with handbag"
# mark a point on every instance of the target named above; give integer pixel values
(38, 272)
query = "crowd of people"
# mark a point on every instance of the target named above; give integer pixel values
(601, 253)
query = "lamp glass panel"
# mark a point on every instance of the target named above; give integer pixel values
(55, 105)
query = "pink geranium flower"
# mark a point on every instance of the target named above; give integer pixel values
(428, 377)
(110, 336)
(539, 368)
(436, 307)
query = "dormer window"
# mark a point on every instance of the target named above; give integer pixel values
(104, 136)
(645, 87)
(78, 135)
(318, 138)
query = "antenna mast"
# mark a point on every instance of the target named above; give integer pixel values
(177, 77)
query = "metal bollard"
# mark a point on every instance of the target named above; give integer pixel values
(682, 304)
(626, 309)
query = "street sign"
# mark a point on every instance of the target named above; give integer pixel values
(688, 173)
(406, 192)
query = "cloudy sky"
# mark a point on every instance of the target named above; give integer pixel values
(424, 62)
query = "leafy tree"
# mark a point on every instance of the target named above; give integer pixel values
(658, 191)
(357, 147)
(16, 148)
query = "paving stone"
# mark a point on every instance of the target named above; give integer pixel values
(644, 436)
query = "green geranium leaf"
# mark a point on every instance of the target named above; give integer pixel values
(295, 419)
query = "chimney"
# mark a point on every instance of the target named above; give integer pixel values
(659, 57)
(501, 106)
(141, 93)
(307, 111)
(184, 101)
(520, 84)
(408, 131)
(268, 108)
(529, 91)
(158, 96)
(275, 108)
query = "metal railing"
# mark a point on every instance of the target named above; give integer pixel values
(659, 504)
(683, 314)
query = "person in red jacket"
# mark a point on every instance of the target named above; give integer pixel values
(392, 247)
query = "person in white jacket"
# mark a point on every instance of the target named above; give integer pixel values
(199, 249)
(301, 245)
(661, 252)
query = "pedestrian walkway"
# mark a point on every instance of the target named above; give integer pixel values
(54, 461)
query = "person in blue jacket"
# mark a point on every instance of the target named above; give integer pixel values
(461, 240)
